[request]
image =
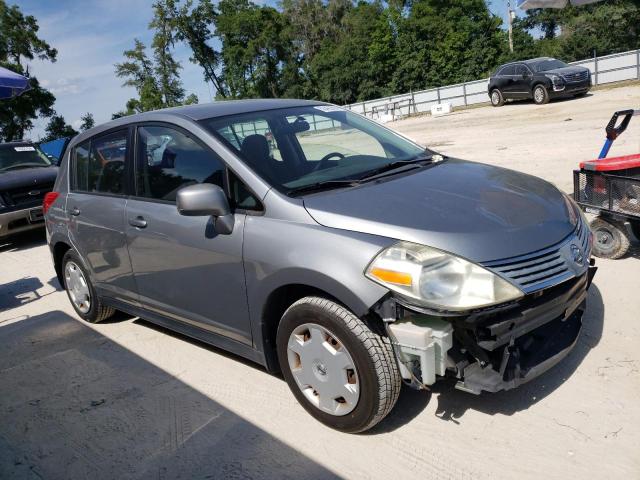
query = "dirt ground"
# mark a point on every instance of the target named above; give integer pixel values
(124, 399)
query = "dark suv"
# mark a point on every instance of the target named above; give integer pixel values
(26, 174)
(540, 79)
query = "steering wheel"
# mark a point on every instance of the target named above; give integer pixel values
(324, 160)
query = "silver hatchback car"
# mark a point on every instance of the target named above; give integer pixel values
(321, 244)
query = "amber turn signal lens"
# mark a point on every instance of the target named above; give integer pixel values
(390, 276)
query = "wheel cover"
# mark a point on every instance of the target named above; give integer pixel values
(323, 369)
(495, 97)
(77, 287)
(539, 94)
(605, 239)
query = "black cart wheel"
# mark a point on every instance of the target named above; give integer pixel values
(635, 228)
(610, 238)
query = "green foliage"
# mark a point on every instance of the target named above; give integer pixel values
(18, 41)
(87, 121)
(58, 128)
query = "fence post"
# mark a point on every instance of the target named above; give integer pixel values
(413, 102)
(438, 93)
(464, 93)
(595, 59)
(638, 63)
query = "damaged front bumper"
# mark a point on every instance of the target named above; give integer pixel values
(492, 349)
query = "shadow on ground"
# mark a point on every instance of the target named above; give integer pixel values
(452, 403)
(23, 241)
(75, 404)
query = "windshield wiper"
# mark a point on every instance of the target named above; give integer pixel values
(379, 172)
(326, 185)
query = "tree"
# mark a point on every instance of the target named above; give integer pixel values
(58, 128)
(87, 122)
(19, 41)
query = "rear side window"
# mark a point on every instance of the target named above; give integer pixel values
(508, 70)
(169, 160)
(100, 164)
(521, 70)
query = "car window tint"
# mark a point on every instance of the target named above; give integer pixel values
(169, 160)
(508, 70)
(81, 163)
(251, 137)
(106, 163)
(521, 70)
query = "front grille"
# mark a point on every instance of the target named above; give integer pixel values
(576, 77)
(544, 268)
(28, 196)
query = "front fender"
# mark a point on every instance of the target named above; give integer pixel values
(278, 253)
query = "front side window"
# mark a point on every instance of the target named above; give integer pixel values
(302, 146)
(169, 160)
(521, 70)
(508, 70)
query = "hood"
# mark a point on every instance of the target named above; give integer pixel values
(26, 177)
(476, 211)
(566, 70)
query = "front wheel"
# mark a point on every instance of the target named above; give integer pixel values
(497, 99)
(340, 371)
(540, 95)
(610, 238)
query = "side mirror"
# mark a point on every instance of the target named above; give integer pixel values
(205, 199)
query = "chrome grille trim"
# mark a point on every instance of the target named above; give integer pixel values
(576, 77)
(547, 267)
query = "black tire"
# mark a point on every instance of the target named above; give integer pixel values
(377, 371)
(497, 99)
(610, 238)
(97, 311)
(540, 95)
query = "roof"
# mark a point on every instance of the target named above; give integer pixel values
(528, 62)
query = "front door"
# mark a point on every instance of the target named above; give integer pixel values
(183, 269)
(96, 206)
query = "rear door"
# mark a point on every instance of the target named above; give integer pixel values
(522, 81)
(508, 82)
(183, 269)
(96, 205)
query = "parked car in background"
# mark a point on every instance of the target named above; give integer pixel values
(317, 242)
(26, 174)
(540, 79)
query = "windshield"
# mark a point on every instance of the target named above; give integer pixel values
(550, 64)
(293, 148)
(14, 157)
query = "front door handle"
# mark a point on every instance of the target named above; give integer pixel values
(75, 211)
(138, 222)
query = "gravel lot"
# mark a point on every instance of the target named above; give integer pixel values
(125, 399)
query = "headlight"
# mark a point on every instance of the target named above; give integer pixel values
(439, 280)
(553, 77)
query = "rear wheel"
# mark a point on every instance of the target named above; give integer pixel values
(340, 371)
(610, 238)
(81, 292)
(540, 95)
(497, 99)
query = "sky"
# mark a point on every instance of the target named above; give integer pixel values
(90, 36)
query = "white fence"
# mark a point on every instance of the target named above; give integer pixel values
(608, 69)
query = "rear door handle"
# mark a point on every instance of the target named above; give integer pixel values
(75, 211)
(138, 222)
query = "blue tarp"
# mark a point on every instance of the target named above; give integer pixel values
(12, 84)
(54, 148)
